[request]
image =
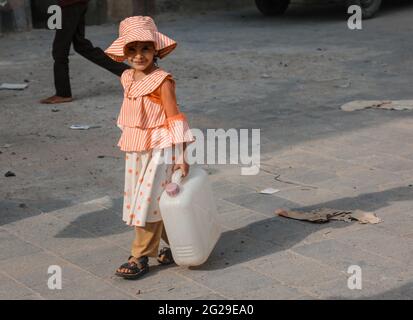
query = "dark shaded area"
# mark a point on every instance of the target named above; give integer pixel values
(100, 223)
(334, 10)
(14, 210)
(96, 14)
(368, 201)
(15, 17)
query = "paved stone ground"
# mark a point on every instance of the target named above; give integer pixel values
(317, 155)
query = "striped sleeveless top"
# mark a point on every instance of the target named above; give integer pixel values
(142, 117)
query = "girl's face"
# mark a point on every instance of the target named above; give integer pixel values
(140, 54)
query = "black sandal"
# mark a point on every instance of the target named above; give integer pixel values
(134, 269)
(165, 256)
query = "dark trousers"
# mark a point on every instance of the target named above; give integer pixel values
(73, 31)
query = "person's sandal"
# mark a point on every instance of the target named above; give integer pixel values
(165, 256)
(135, 268)
(56, 99)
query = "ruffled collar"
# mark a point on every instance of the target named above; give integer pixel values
(145, 86)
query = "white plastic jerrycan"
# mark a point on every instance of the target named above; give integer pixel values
(189, 214)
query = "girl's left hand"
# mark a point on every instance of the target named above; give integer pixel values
(184, 168)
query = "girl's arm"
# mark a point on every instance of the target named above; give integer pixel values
(168, 98)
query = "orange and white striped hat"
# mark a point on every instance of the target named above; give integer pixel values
(139, 28)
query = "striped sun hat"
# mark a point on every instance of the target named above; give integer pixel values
(139, 28)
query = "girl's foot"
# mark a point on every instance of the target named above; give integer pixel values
(165, 256)
(134, 268)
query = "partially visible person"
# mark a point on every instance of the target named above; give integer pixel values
(73, 31)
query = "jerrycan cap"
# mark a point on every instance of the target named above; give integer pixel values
(172, 189)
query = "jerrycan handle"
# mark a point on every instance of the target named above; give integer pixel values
(177, 176)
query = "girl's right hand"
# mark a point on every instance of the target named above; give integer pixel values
(183, 166)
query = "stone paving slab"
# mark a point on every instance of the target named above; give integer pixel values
(12, 246)
(234, 281)
(306, 196)
(266, 178)
(338, 290)
(10, 289)
(224, 206)
(36, 278)
(237, 219)
(100, 261)
(53, 234)
(398, 223)
(84, 289)
(236, 247)
(213, 296)
(179, 291)
(305, 176)
(230, 189)
(381, 243)
(272, 292)
(296, 270)
(160, 278)
(263, 203)
(342, 255)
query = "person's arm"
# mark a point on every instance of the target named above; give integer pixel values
(173, 115)
(168, 98)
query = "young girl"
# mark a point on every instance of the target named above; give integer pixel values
(152, 126)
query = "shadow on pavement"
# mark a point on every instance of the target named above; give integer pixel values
(368, 201)
(17, 209)
(271, 235)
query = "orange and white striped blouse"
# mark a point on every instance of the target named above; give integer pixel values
(142, 117)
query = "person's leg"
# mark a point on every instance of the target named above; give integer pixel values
(144, 245)
(61, 47)
(164, 236)
(85, 48)
(165, 254)
(147, 239)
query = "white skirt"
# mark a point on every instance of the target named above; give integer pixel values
(146, 175)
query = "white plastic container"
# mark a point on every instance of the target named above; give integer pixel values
(189, 218)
